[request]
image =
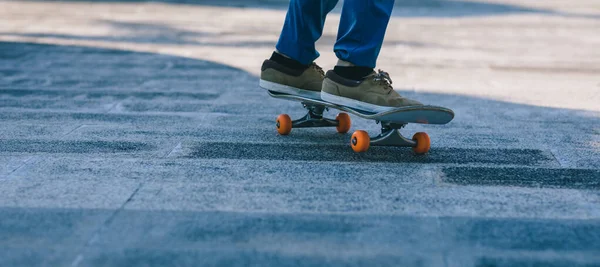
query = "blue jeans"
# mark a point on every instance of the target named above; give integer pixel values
(360, 34)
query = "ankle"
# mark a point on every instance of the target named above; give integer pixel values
(355, 73)
(287, 61)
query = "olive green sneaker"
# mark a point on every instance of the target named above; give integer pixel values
(279, 78)
(373, 94)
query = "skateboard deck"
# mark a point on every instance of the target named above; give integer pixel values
(414, 114)
(391, 122)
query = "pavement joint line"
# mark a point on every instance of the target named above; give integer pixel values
(158, 192)
(79, 258)
(382, 163)
(38, 156)
(438, 225)
(560, 163)
(436, 180)
(113, 107)
(73, 130)
(370, 213)
(20, 166)
(176, 148)
(294, 185)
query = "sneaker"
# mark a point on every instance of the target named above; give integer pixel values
(278, 78)
(374, 93)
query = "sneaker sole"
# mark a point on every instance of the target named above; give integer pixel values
(281, 88)
(353, 103)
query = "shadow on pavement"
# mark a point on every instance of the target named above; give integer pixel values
(155, 33)
(80, 85)
(187, 99)
(402, 8)
(82, 107)
(209, 238)
(150, 33)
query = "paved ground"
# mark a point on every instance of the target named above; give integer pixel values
(135, 134)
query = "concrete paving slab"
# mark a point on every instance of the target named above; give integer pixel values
(29, 237)
(10, 163)
(309, 239)
(524, 177)
(414, 199)
(20, 130)
(29, 146)
(68, 192)
(227, 172)
(340, 152)
(263, 239)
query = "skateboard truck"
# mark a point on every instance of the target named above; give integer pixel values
(360, 141)
(314, 118)
(394, 120)
(390, 136)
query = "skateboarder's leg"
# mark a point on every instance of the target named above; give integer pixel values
(361, 31)
(353, 82)
(302, 28)
(291, 68)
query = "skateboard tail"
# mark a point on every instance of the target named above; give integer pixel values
(423, 115)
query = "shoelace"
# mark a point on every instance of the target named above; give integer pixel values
(319, 69)
(383, 78)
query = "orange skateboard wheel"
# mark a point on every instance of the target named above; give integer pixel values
(344, 123)
(360, 141)
(284, 124)
(423, 143)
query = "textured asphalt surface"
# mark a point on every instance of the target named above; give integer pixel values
(120, 158)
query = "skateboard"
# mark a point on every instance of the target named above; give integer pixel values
(391, 122)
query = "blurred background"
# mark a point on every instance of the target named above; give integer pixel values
(534, 52)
